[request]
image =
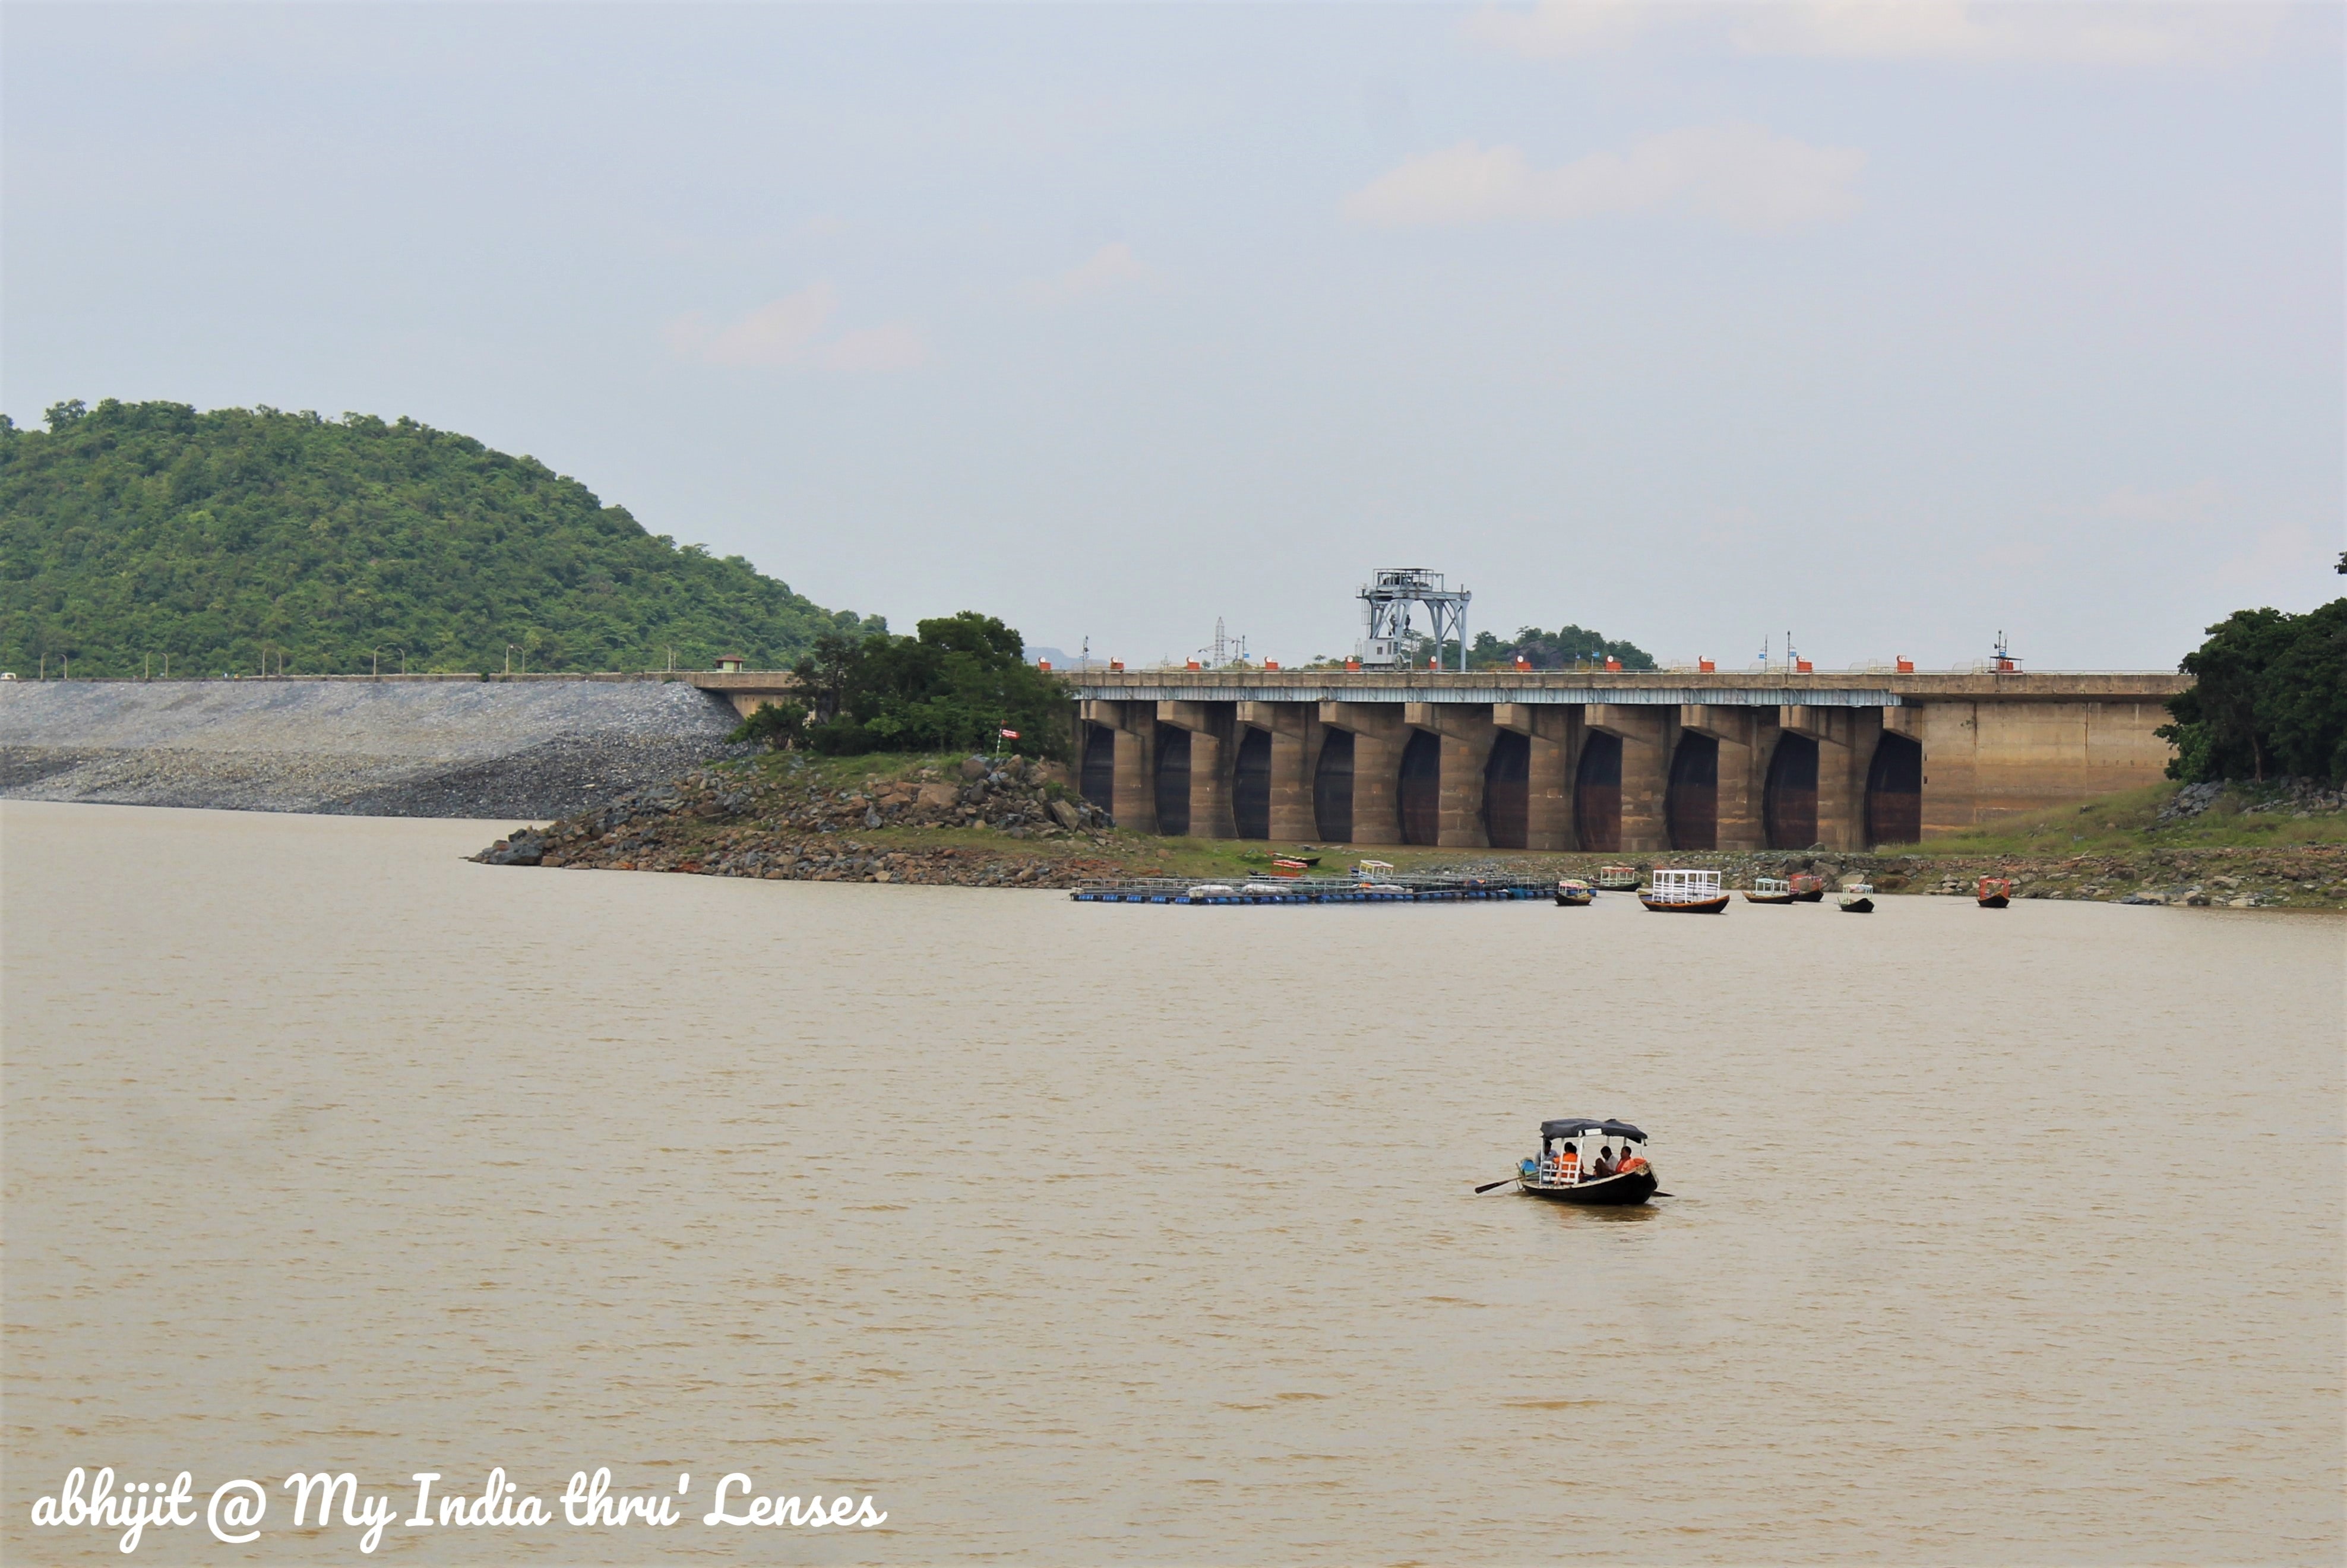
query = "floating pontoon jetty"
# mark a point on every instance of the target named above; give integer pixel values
(1378, 889)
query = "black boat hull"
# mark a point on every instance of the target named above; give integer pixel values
(1573, 900)
(1994, 901)
(1816, 896)
(1693, 906)
(1612, 1192)
(1858, 907)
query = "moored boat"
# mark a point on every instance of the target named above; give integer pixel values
(1809, 887)
(1607, 1178)
(1769, 890)
(1995, 892)
(1684, 893)
(1618, 878)
(1857, 898)
(1574, 894)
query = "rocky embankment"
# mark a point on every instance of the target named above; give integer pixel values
(530, 749)
(778, 823)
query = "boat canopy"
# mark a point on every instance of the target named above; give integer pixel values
(1584, 1126)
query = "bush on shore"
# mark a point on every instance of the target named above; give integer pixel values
(2269, 699)
(961, 683)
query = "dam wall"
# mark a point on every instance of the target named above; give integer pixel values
(519, 749)
(1608, 762)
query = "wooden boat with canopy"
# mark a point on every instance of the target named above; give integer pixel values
(1684, 893)
(1769, 890)
(1569, 1171)
(1572, 893)
(1809, 887)
(1995, 892)
(1618, 879)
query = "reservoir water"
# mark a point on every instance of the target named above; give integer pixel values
(1086, 1234)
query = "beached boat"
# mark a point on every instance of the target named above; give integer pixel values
(1995, 892)
(1769, 890)
(1618, 878)
(1684, 893)
(1856, 898)
(1809, 887)
(1562, 1174)
(1574, 894)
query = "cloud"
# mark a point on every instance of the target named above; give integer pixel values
(1111, 266)
(1999, 31)
(2281, 558)
(787, 332)
(1742, 176)
(2192, 503)
(2097, 35)
(1560, 29)
(896, 346)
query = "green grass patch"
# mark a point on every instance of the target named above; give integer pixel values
(2122, 824)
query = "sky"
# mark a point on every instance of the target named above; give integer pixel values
(1891, 327)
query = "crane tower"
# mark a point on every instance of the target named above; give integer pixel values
(1385, 602)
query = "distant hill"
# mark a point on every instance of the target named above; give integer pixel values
(134, 529)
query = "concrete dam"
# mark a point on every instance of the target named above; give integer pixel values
(1606, 762)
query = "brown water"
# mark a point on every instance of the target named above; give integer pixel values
(1086, 1234)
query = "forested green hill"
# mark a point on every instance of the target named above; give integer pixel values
(133, 531)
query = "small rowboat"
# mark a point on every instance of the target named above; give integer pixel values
(1995, 892)
(1684, 893)
(1558, 1173)
(1809, 888)
(1618, 879)
(1855, 899)
(1573, 894)
(1769, 890)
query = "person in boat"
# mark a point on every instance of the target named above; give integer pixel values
(1568, 1164)
(1604, 1167)
(1632, 1161)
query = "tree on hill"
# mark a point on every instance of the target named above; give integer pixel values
(1567, 648)
(2268, 699)
(137, 530)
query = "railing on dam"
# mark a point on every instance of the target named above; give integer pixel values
(1771, 689)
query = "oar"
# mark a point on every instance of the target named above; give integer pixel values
(1488, 1186)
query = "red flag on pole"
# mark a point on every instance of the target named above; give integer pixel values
(1009, 734)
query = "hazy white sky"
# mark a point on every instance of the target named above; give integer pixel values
(1891, 324)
